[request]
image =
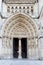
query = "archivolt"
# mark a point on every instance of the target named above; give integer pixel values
(19, 22)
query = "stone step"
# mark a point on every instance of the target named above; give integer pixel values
(20, 62)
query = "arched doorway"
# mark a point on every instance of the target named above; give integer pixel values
(20, 29)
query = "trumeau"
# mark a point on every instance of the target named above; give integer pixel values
(20, 1)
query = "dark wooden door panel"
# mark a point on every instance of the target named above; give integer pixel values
(15, 47)
(24, 47)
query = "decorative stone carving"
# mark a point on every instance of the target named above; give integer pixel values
(20, 1)
(20, 26)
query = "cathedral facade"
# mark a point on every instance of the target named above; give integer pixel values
(21, 29)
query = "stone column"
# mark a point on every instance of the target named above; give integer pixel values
(19, 48)
(40, 44)
(1, 50)
(0, 6)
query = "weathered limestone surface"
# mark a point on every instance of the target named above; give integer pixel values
(17, 20)
(20, 1)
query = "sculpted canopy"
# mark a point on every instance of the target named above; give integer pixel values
(20, 1)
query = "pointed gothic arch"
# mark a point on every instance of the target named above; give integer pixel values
(20, 26)
(21, 20)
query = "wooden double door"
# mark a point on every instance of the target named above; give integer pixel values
(23, 47)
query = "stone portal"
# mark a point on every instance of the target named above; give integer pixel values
(19, 37)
